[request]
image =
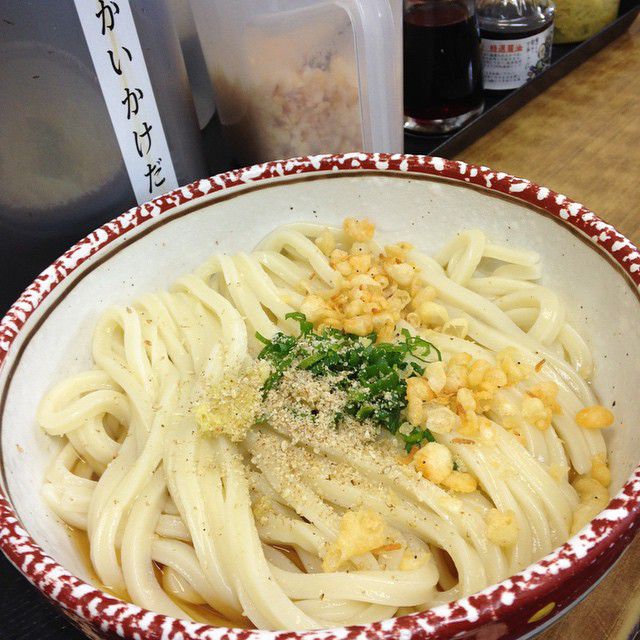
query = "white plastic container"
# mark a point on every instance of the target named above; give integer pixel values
(300, 77)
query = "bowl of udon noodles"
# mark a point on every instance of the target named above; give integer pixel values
(339, 396)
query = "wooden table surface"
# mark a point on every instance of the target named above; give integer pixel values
(582, 138)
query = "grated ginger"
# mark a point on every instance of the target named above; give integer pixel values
(232, 407)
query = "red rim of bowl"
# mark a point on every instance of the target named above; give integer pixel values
(113, 616)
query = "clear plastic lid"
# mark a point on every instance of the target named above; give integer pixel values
(300, 77)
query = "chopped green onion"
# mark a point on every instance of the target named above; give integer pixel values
(374, 375)
(305, 325)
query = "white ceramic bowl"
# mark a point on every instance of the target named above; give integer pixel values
(46, 335)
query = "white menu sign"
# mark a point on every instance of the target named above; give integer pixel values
(116, 53)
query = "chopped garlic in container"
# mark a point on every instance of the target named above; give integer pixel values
(302, 77)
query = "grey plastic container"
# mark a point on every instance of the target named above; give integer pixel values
(61, 170)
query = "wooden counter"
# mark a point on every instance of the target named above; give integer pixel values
(582, 138)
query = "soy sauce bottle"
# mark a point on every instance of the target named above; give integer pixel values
(442, 69)
(516, 40)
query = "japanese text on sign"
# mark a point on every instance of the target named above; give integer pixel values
(113, 42)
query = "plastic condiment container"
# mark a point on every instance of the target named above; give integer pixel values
(300, 77)
(577, 20)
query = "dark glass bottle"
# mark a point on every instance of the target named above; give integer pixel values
(442, 68)
(517, 36)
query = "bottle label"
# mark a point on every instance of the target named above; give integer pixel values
(508, 64)
(117, 56)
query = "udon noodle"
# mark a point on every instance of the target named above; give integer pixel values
(230, 436)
